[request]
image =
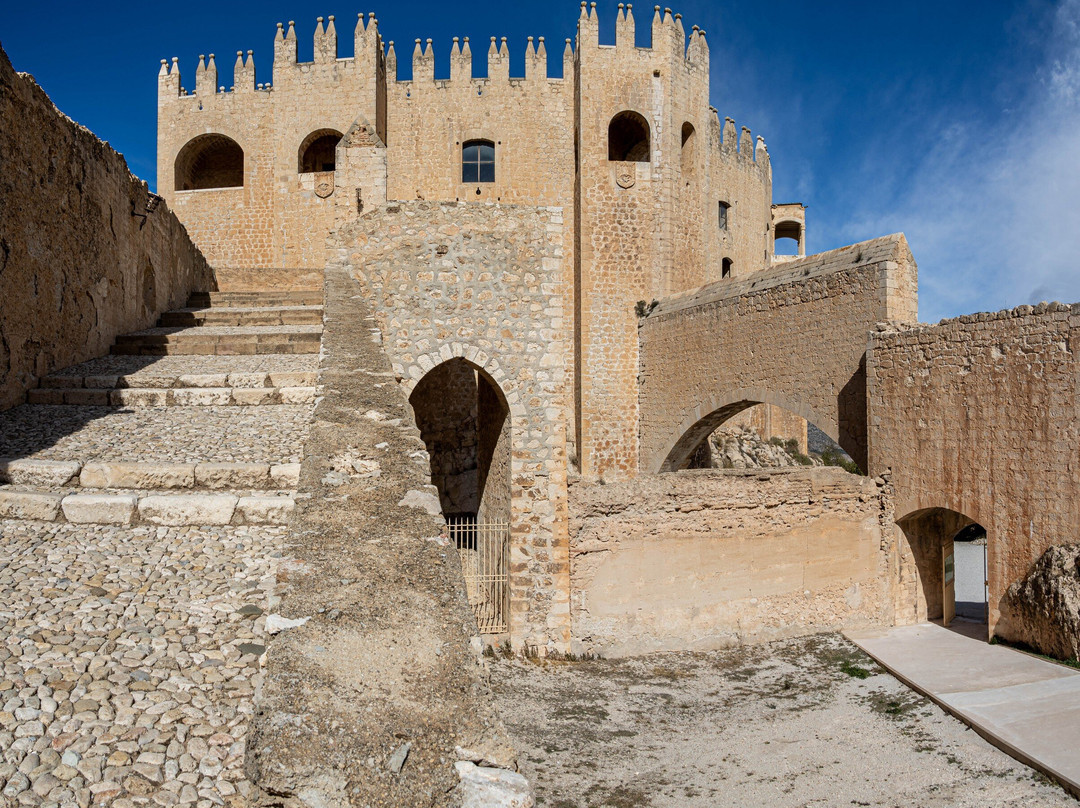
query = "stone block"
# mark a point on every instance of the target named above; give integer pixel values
(138, 475)
(29, 505)
(265, 510)
(199, 396)
(87, 398)
(286, 475)
(297, 395)
(40, 396)
(293, 379)
(61, 382)
(203, 380)
(139, 397)
(232, 475)
(253, 396)
(34, 472)
(101, 382)
(175, 510)
(100, 509)
(247, 380)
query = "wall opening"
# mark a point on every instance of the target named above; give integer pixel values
(767, 436)
(628, 138)
(478, 161)
(757, 434)
(787, 238)
(725, 268)
(209, 161)
(949, 553)
(724, 214)
(318, 151)
(688, 162)
(464, 421)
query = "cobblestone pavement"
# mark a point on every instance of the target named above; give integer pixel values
(129, 661)
(163, 366)
(267, 434)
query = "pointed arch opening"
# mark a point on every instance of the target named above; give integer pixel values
(628, 138)
(318, 151)
(688, 163)
(209, 161)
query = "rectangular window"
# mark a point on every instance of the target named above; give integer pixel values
(478, 161)
(724, 215)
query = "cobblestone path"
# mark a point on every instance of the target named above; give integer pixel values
(139, 550)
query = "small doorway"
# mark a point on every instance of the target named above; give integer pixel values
(971, 584)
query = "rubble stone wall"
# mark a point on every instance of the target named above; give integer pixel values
(483, 283)
(707, 559)
(981, 416)
(81, 258)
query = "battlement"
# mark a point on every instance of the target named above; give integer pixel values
(668, 36)
(461, 62)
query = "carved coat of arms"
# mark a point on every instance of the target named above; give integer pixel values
(626, 175)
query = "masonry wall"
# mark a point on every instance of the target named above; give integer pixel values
(81, 259)
(483, 282)
(793, 336)
(708, 559)
(981, 416)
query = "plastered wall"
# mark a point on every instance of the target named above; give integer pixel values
(708, 559)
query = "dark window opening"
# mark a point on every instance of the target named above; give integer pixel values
(209, 161)
(724, 215)
(688, 151)
(317, 152)
(628, 138)
(725, 268)
(478, 161)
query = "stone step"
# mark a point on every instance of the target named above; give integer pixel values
(173, 396)
(221, 340)
(154, 508)
(260, 315)
(148, 379)
(312, 297)
(36, 473)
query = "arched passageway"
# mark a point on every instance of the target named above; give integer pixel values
(464, 421)
(771, 417)
(948, 551)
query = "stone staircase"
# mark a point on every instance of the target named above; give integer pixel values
(143, 497)
(199, 421)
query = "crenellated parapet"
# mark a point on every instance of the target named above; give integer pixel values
(669, 38)
(737, 147)
(461, 63)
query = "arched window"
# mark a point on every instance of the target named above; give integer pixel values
(317, 151)
(790, 234)
(209, 161)
(478, 161)
(628, 138)
(725, 268)
(688, 140)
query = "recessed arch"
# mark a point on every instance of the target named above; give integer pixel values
(629, 138)
(209, 161)
(688, 162)
(790, 233)
(317, 151)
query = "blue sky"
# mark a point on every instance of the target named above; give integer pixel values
(956, 122)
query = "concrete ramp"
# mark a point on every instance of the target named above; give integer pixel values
(1026, 706)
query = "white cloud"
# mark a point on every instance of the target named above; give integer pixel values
(992, 210)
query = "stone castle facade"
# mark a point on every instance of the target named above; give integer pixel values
(658, 194)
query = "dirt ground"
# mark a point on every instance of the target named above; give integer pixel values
(807, 722)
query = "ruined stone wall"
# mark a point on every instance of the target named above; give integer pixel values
(981, 415)
(794, 336)
(483, 282)
(81, 258)
(707, 559)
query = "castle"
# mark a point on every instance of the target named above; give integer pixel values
(522, 306)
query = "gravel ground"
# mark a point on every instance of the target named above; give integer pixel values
(264, 434)
(157, 366)
(129, 662)
(807, 722)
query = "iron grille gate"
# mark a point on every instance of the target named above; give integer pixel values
(484, 548)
